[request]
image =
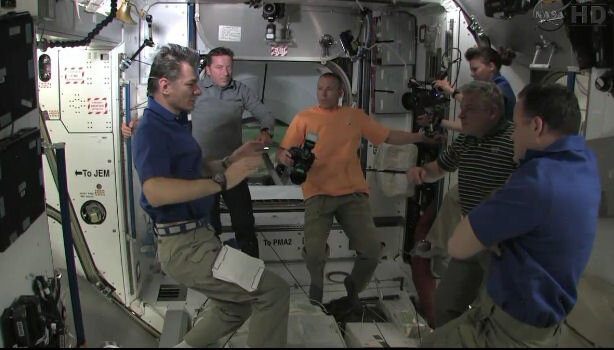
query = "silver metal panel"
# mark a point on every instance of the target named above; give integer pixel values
(287, 244)
(290, 86)
(399, 27)
(170, 25)
(390, 85)
(68, 26)
(521, 34)
(250, 73)
(307, 24)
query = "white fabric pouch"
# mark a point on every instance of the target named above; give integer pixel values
(234, 266)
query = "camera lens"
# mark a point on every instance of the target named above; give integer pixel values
(268, 9)
(298, 175)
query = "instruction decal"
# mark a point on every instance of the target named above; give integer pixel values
(93, 173)
(229, 33)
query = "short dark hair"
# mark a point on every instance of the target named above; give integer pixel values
(333, 76)
(219, 51)
(167, 64)
(555, 104)
(503, 57)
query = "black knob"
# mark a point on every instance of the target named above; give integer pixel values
(603, 83)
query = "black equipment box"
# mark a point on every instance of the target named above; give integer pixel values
(17, 83)
(22, 192)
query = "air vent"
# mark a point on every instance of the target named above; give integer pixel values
(172, 292)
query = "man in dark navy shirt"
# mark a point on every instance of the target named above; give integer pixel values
(169, 163)
(540, 228)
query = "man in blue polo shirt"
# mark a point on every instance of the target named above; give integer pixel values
(169, 163)
(540, 227)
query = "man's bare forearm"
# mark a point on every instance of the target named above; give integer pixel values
(433, 171)
(211, 167)
(398, 137)
(452, 124)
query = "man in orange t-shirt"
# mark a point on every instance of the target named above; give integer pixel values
(335, 184)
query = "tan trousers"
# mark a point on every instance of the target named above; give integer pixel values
(189, 257)
(353, 212)
(487, 325)
(448, 217)
(459, 287)
(460, 279)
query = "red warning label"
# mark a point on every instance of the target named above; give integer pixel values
(74, 75)
(97, 105)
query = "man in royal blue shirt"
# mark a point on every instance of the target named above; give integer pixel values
(169, 163)
(540, 227)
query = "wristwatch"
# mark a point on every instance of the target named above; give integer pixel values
(220, 179)
(226, 162)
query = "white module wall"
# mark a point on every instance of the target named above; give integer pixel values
(82, 102)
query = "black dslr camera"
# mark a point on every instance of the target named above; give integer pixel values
(303, 158)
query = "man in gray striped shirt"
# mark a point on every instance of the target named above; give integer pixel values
(483, 154)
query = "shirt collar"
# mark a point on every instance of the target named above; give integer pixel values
(165, 113)
(207, 83)
(564, 144)
(497, 76)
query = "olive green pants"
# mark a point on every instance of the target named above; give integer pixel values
(353, 212)
(487, 325)
(189, 257)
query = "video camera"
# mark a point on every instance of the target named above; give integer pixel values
(420, 96)
(303, 158)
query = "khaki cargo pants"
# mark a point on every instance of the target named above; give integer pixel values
(353, 212)
(448, 217)
(487, 325)
(189, 257)
(460, 280)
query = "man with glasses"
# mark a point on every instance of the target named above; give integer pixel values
(483, 155)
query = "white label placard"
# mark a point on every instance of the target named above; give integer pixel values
(229, 33)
